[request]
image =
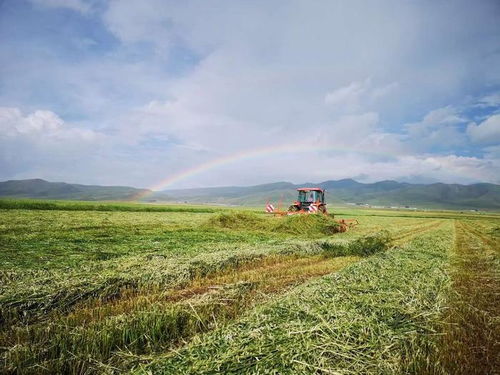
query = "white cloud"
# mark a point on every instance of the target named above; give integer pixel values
(348, 130)
(76, 5)
(151, 22)
(38, 142)
(357, 95)
(41, 126)
(487, 132)
(488, 101)
(439, 129)
(448, 169)
(446, 115)
(326, 75)
(347, 96)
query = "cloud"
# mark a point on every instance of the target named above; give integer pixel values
(76, 5)
(489, 101)
(440, 131)
(163, 86)
(43, 141)
(356, 95)
(40, 126)
(152, 22)
(446, 115)
(347, 96)
(487, 132)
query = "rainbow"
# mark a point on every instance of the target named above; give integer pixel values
(245, 155)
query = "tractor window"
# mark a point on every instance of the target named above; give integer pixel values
(312, 196)
(309, 196)
(302, 196)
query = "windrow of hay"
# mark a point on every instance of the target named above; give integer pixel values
(60, 291)
(156, 321)
(210, 290)
(373, 317)
(304, 225)
(307, 225)
(237, 220)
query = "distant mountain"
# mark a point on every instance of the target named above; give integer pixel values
(41, 189)
(383, 193)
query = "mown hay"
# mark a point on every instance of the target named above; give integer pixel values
(72, 205)
(61, 328)
(374, 317)
(307, 225)
(237, 220)
(371, 244)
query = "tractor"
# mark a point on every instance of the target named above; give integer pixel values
(310, 201)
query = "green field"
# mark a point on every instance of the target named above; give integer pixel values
(128, 288)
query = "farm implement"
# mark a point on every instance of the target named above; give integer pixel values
(309, 201)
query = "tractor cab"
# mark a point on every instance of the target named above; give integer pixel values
(309, 199)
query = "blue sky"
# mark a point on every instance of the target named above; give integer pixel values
(132, 92)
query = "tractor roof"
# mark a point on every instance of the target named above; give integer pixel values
(310, 189)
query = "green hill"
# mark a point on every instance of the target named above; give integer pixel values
(383, 193)
(41, 189)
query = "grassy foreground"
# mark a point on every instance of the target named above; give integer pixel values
(375, 316)
(114, 288)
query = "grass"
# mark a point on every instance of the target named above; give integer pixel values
(471, 324)
(369, 318)
(143, 319)
(148, 321)
(34, 204)
(304, 225)
(114, 287)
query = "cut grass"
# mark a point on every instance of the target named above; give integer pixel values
(83, 319)
(308, 224)
(36, 204)
(31, 299)
(100, 291)
(372, 317)
(238, 220)
(145, 321)
(471, 340)
(305, 225)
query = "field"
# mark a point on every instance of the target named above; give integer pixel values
(125, 288)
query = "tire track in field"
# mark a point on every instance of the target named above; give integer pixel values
(471, 340)
(270, 275)
(408, 234)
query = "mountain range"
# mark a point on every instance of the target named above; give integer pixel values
(41, 189)
(383, 193)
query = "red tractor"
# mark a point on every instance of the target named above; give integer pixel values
(311, 200)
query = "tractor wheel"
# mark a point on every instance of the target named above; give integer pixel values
(293, 208)
(322, 209)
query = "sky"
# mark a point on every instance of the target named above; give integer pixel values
(175, 94)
